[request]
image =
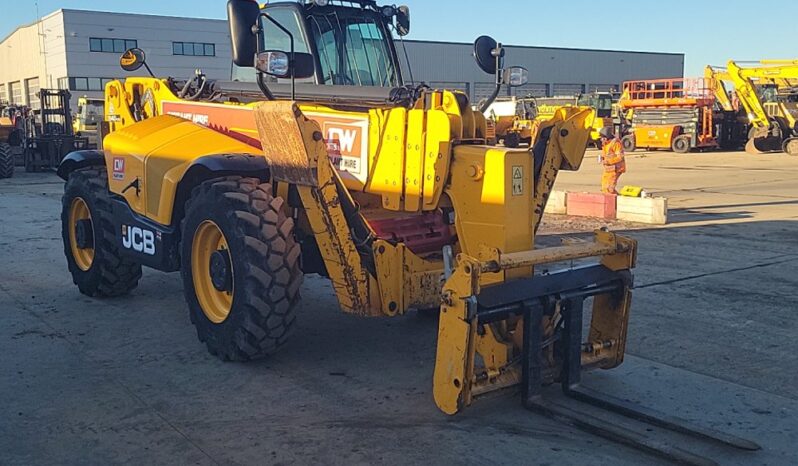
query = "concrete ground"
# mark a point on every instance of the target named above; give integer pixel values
(125, 381)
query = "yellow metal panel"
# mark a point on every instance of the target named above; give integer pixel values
(405, 280)
(438, 146)
(158, 151)
(414, 161)
(494, 209)
(387, 177)
(450, 106)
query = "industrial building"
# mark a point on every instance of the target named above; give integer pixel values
(552, 71)
(79, 50)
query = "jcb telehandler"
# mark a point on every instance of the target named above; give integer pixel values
(329, 164)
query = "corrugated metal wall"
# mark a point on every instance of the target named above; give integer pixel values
(552, 71)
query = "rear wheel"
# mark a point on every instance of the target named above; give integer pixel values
(240, 268)
(629, 143)
(90, 240)
(682, 144)
(6, 161)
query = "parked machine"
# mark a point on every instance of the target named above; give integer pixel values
(86, 121)
(386, 189)
(769, 94)
(11, 137)
(518, 121)
(600, 102)
(676, 114)
(49, 134)
(514, 121)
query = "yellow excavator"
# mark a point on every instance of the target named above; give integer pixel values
(326, 162)
(769, 93)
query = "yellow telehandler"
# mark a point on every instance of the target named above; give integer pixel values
(325, 162)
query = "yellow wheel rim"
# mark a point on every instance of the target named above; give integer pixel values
(79, 210)
(207, 240)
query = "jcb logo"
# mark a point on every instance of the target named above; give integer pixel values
(138, 240)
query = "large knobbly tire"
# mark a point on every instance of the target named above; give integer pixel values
(109, 274)
(6, 161)
(248, 313)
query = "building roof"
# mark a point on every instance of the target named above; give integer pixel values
(542, 47)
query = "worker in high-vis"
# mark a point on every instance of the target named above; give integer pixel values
(613, 159)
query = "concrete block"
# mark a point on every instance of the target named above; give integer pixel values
(557, 203)
(591, 205)
(652, 210)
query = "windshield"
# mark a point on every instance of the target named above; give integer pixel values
(91, 112)
(353, 50)
(600, 102)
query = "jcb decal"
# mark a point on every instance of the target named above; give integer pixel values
(138, 239)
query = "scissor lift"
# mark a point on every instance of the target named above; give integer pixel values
(677, 114)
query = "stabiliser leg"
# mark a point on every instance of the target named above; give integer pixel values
(572, 310)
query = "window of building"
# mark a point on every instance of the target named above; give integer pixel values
(16, 93)
(88, 84)
(3, 95)
(97, 44)
(193, 49)
(33, 93)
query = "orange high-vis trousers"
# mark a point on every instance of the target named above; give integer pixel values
(609, 181)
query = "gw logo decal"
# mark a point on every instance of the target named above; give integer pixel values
(138, 240)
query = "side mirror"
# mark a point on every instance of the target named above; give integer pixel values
(278, 64)
(403, 20)
(132, 60)
(242, 16)
(515, 76)
(488, 54)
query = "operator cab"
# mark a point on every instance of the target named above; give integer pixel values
(349, 45)
(600, 101)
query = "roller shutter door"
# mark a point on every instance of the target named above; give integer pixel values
(603, 88)
(568, 89)
(450, 85)
(535, 90)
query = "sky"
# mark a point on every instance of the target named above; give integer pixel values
(709, 34)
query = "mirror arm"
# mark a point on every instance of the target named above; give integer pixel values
(147, 67)
(499, 52)
(292, 58)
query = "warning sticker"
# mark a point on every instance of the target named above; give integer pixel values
(518, 180)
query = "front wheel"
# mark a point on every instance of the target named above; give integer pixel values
(682, 144)
(90, 238)
(6, 161)
(240, 268)
(629, 143)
